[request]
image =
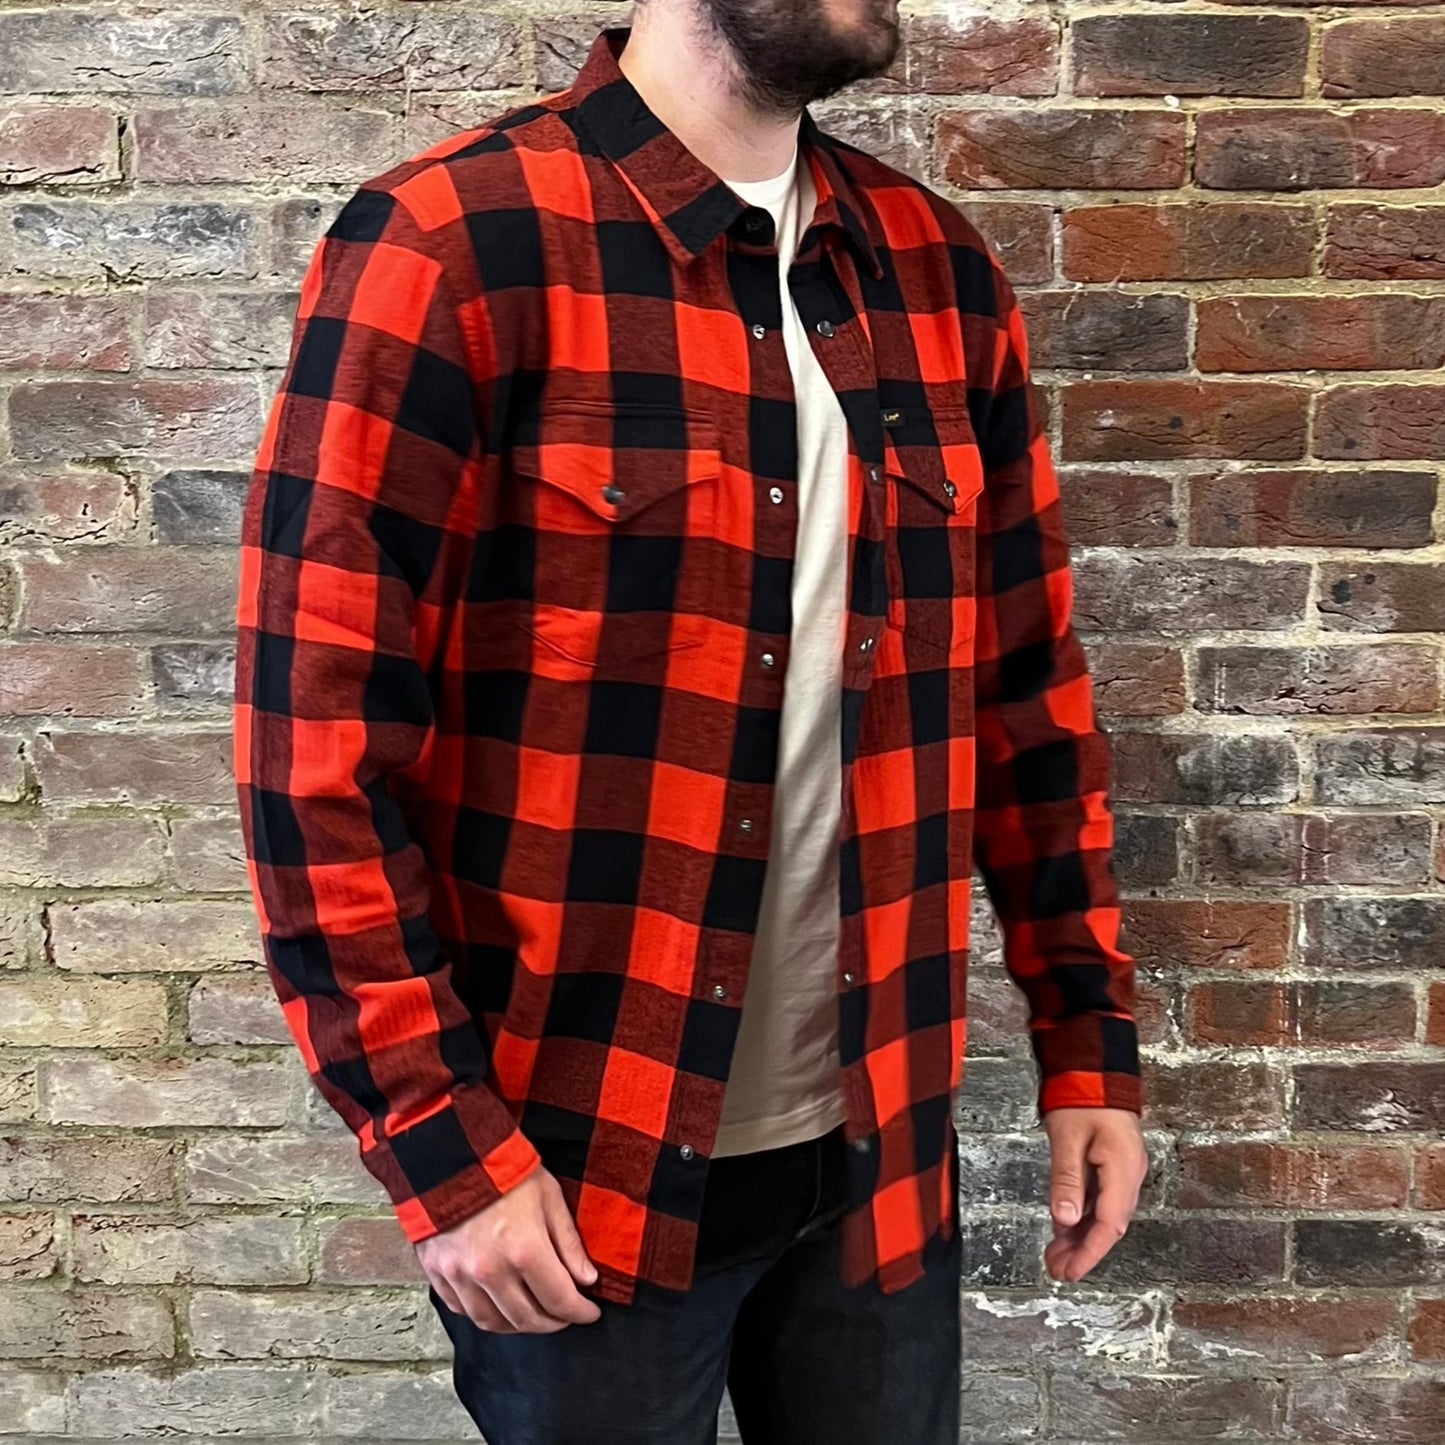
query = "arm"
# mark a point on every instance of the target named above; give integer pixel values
(355, 536)
(1044, 831)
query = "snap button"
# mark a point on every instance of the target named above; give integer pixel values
(768, 659)
(776, 494)
(866, 645)
(718, 991)
(686, 1151)
(746, 826)
(848, 979)
(759, 330)
(613, 493)
(875, 474)
(949, 489)
(825, 328)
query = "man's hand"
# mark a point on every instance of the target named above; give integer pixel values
(514, 1267)
(1099, 1164)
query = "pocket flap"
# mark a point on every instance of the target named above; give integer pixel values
(619, 459)
(938, 457)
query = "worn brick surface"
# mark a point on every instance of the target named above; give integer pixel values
(1226, 232)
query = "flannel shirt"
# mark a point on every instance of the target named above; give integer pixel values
(512, 626)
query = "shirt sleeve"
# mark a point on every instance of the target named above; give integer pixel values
(1044, 829)
(356, 531)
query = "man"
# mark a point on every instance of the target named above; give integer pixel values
(654, 602)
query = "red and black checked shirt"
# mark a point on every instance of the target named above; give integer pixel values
(513, 626)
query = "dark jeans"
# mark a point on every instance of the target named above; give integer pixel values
(805, 1360)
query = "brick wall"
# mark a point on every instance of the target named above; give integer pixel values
(1229, 230)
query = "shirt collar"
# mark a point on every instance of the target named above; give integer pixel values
(689, 203)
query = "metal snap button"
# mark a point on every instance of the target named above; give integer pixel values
(768, 659)
(776, 494)
(718, 991)
(949, 489)
(613, 493)
(866, 645)
(825, 328)
(686, 1151)
(746, 826)
(759, 330)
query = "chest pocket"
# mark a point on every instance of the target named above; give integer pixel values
(611, 514)
(934, 476)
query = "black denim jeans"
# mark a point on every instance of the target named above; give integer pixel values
(805, 1360)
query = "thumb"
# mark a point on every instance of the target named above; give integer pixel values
(1066, 1186)
(563, 1229)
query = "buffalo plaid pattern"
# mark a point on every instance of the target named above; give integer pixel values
(512, 630)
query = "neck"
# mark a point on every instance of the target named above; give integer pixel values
(689, 80)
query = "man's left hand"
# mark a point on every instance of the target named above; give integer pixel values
(1099, 1163)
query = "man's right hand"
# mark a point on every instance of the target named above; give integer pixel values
(514, 1267)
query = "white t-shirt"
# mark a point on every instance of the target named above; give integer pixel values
(785, 1086)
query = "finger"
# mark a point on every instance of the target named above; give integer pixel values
(516, 1301)
(554, 1288)
(1112, 1211)
(563, 1229)
(1068, 1167)
(482, 1309)
(447, 1295)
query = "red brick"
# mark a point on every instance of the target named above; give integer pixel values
(1381, 423)
(1430, 1170)
(71, 680)
(66, 333)
(1327, 681)
(1207, 769)
(1084, 329)
(1240, 1013)
(1190, 54)
(1435, 1026)
(1137, 680)
(1215, 934)
(1388, 597)
(1154, 592)
(1284, 1329)
(1239, 1094)
(1187, 241)
(1385, 242)
(1426, 1331)
(1019, 233)
(1312, 849)
(952, 54)
(1360, 58)
(1299, 149)
(1304, 333)
(1061, 148)
(1237, 1175)
(58, 145)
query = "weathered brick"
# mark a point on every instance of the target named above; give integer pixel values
(97, 51)
(236, 1011)
(56, 851)
(1378, 1098)
(218, 1400)
(315, 1324)
(1381, 423)
(1138, 420)
(38, 678)
(166, 420)
(1118, 509)
(1300, 149)
(1328, 681)
(999, 1409)
(1396, 933)
(1435, 1018)
(248, 1249)
(997, 1094)
(1137, 680)
(57, 145)
(963, 54)
(207, 855)
(85, 1324)
(1019, 233)
(412, 49)
(1115, 592)
(1147, 849)
(1204, 768)
(359, 1251)
(1247, 1013)
(1426, 1332)
(66, 333)
(1339, 1013)
(277, 1169)
(19, 1099)
(1298, 849)
(1360, 58)
(1379, 1253)
(130, 589)
(87, 1169)
(135, 767)
(1404, 766)
(1140, 1408)
(1076, 149)
(299, 142)
(129, 241)
(1190, 54)
(1178, 241)
(1240, 1094)
(1385, 243)
(1342, 1406)
(1083, 329)
(899, 136)
(1386, 330)
(425, 1400)
(81, 1013)
(1004, 1328)
(1242, 1175)
(1002, 1251)
(121, 935)
(193, 677)
(1284, 1329)
(297, 226)
(32, 1400)
(30, 1247)
(1208, 933)
(1198, 1250)
(219, 330)
(68, 506)
(200, 506)
(149, 1093)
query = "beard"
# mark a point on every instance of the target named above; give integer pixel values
(789, 53)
